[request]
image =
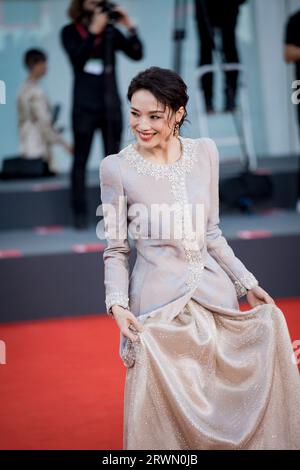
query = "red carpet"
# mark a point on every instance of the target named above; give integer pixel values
(62, 384)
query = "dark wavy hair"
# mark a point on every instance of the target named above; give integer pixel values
(75, 10)
(33, 57)
(165, 84)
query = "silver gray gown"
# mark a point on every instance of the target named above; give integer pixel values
(203, 374)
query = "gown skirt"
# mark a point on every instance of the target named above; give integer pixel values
(208, 377)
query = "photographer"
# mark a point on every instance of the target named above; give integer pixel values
(91, 41)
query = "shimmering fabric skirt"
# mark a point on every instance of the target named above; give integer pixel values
(201, 378)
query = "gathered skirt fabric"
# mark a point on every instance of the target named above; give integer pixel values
(201, 378)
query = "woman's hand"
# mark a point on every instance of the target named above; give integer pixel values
(99, 22)
(125, 20)
(258, 296)
(125, 319)
(69, 148)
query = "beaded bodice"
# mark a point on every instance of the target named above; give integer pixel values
(190, 180)
(175, 174)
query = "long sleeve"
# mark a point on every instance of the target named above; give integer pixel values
(217, 245)
(130, 45)
(79, 49)
(116, 253)
(291, 32)
(40, 113)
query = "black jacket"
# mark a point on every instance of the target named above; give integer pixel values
(81, 45)
(292, 36)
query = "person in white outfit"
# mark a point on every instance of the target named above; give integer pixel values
(36, 132)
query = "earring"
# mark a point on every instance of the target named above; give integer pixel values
(176, 129)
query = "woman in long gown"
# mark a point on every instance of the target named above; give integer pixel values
(201, 373)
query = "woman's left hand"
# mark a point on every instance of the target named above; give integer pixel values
(125, 20)
(258, 296)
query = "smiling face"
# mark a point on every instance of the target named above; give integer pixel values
(152, 122)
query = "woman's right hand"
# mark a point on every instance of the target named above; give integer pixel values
(99, 22)
(69, 148)
(125, 319)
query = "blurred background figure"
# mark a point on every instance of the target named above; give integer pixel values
(91, 41)
(211, 15)
(35, 120)
(292, 47)
(292, 54)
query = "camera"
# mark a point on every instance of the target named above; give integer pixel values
(108, 7)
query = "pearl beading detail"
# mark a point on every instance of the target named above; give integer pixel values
(117, 297)
(175, 174)
(246, 282)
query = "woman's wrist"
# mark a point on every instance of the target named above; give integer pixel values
(253, 287)
(131, 27)
(116, 309)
